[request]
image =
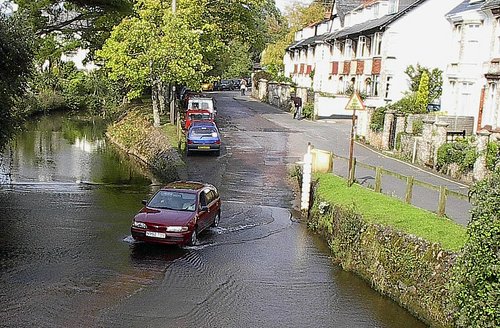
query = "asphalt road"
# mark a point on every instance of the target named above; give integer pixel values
(334, 136)
(68, 260)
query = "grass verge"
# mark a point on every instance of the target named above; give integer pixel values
(385, 210)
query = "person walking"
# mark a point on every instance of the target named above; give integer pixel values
(297, 102)
(243, 86)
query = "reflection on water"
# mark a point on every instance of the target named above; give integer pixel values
(56, 148)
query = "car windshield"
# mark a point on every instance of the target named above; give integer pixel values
(199, 116)
(174, 200)
(202, 131)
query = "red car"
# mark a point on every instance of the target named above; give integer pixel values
(177, 214)
(197, 115)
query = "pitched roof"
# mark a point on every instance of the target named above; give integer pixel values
(375, 24)
(465, 6)
(491, 4)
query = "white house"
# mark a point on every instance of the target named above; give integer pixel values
(473, 72)
(371, 50)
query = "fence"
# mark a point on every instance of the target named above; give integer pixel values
(410, 182)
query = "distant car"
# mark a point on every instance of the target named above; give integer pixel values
(225, 85)
(207, 86)
(236, 84)
(177, 214)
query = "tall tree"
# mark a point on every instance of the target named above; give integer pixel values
(435, 80)
(422, 95)
(296, 17)
(157, 46)
(15, 67)
(89, 22)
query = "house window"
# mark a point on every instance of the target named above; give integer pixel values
(497, 37)
(348, 49)
(491, 105)
(387, 87)
(377, 44)
(393, 6)
(339, 48)
(465, 101)
(368, 86)
(341, 85)
(359, 80)
(375, 86)
(361, 47)
(295, 68)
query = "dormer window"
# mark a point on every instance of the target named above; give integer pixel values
(393, 6)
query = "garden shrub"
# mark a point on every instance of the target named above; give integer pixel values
(308, 110)
(377, 119)
(477, 271)
(493, 155)
(461, 152)
(417, 126)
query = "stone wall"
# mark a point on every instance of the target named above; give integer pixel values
(278, 94)
(408, 269)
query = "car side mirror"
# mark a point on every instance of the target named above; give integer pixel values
(144, 202)
(204, 208)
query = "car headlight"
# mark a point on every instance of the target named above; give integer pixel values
(177, 229)
(139, 225)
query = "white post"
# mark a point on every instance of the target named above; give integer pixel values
(306, 179)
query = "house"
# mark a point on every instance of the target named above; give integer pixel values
(368, 48)
(473, 72)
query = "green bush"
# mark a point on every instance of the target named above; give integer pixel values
(477, 271)
(461, 152)
(308, 110)
(493, 155)
(377, 119)
(417, 126)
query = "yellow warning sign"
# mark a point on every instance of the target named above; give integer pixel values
(355, 102)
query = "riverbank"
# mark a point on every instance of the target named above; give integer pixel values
(411, 264)
(134, 133)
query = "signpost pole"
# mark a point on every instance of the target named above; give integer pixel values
(351, 146)
(354, 103)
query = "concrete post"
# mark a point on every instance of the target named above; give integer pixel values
(388, 119)
(480, 170)
(306, 179)
(400, 125)
(262, 89)
(424, 156)
(439, 139)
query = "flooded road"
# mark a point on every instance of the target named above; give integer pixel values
(67, 258)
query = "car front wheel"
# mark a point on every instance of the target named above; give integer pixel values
(216, 220)
(194, 238)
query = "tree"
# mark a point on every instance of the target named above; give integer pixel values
(435, 80)
(296, 17)
(88, 22)
(477, 270)
(157, 46)
(15, 68)
(422, 96)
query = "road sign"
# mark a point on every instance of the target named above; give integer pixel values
(355, 102)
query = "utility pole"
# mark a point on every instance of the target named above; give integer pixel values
(172, 86)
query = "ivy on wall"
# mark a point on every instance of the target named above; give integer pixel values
(477, 271)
